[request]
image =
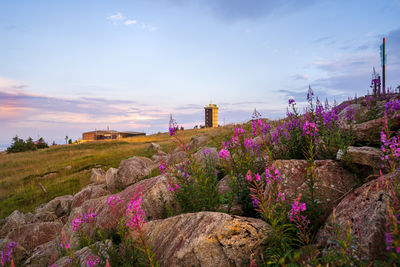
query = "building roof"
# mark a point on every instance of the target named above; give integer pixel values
(102, 132)
(112, 132)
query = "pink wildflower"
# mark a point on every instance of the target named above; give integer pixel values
(224, 154)
(135, 213)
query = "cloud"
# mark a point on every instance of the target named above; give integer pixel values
(130, 22)
(116, 17)
(119, 18)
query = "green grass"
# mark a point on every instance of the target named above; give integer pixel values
(21, 173)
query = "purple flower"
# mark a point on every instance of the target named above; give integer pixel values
(92, 260)
(310, 129)
(82, 219)
(291, 101)
(163, 167)
(297, 208)
(173, 188)
(173, 126)
(272, 174)
(388, 241)
(350, 114)
(248, 143)
(6, 255)
(111, 201)
(224, 154)
(135, 213)
(392, 105)
(248, 176)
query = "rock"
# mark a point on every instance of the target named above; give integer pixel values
(132, 170)
(177, 157)
(205, 152)
(206, 239)
(366, 209)
(89, 192)
(258, 141)
(223, 185)
(332, 182)
(69, 167)
(59, 206)
(108, 216)
(13, 221)
(154, 147)
(82, 255)
(161, 155)
(369, 132)
(46, 216)
(368, 156)
(43, 254)
(32, 235)
(111, 179)
(360, 111)
(197, 141)
(98, 176)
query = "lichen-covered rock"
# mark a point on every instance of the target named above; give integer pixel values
(154, 147)
(197, 141)
(365, 209)
(13, 221)
(368, 156)
(109, 216)
(111, 180)
(332, 181)
(98, 176)
(89, 192)
(205, 153)
(32, 235)
(59, 206)
(43, 254)
(132, 170)
(206, 239)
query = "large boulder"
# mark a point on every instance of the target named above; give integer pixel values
(366, 156)
(154, 147)
(133, 170)
(332, 181)
(59, 206)
(366, 210)
(89, 192)
(98, 176)
(32, 235)
(206, 239)
(111, 180)
(197, 141)
(43, 254)
(108, 216)
(13, 221)
(205, 153)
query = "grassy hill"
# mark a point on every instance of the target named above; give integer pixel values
(65, 169)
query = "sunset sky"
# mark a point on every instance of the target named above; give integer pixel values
(67, 67)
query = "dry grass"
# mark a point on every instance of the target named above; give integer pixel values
(65, 169)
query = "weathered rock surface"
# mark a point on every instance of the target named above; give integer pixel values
(154, 147)
(32, 235)
(89, 192)
(111, 180)
(204, 153)
(369, 131)
(132, 170)
(197, 141)
(206, 239)
(59, 206)
(176, 157)
(332, 182)
(366, 209)
(13, 221)
(42, 255)
(368, 156)
(98, 176)
(109, 216)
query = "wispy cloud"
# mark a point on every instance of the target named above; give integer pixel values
(300, 77)
(119, 18)
(116, 18)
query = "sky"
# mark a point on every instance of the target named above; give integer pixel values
(68, 67)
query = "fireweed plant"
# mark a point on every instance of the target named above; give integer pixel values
(125, 246)
(193, 181)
